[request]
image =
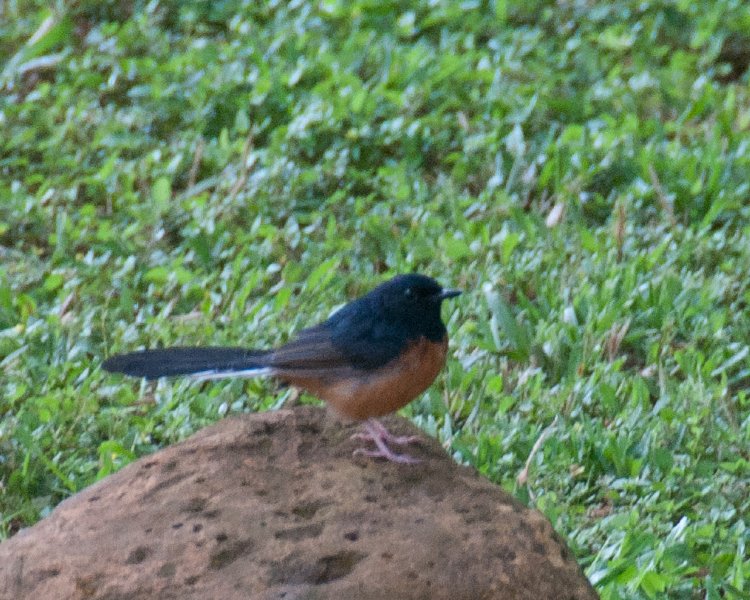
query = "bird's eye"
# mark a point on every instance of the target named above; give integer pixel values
(408, 292)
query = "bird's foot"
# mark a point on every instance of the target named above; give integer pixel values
(375, 429)
(375, 432)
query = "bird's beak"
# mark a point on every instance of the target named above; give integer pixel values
(449, 294)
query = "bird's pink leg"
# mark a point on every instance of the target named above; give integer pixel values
(375, 432)
(373, 425)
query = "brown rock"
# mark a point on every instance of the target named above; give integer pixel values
(274, 506)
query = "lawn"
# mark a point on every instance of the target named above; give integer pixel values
(230, 172)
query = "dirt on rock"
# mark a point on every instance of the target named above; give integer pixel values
(274, 506)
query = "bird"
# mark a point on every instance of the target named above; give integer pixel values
(368, 359)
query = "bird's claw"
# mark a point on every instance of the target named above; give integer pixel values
(403, 459)
(375, 432)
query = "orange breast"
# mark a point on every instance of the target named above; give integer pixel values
(361, 394)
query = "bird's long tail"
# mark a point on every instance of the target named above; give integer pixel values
(197, 363)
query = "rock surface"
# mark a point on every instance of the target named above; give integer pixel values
(273, 505)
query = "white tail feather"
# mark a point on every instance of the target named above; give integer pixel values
(226, 374)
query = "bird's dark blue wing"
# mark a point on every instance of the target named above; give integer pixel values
(360, 333)
(354, 337)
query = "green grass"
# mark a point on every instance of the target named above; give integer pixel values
(230, 172)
